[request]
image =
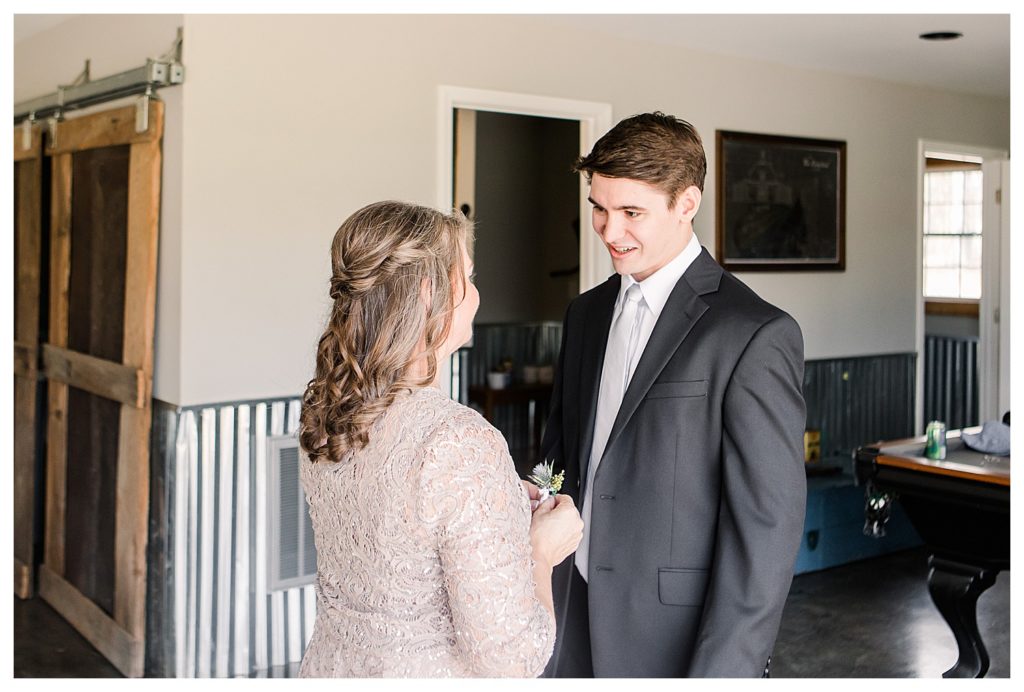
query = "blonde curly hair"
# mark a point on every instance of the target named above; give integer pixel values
(382, 257)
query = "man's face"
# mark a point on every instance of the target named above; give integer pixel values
(642, 233)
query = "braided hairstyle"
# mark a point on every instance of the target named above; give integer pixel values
(394, 267)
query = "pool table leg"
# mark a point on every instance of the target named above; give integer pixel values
(955, 588)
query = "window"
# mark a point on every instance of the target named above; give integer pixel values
(952, 229)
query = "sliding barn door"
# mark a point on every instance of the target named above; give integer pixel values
(28, 232)
(99, 364)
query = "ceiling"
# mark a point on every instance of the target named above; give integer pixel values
(879, 46)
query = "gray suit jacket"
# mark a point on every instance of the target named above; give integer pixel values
(700, 495)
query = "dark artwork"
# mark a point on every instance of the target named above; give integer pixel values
(780, 202)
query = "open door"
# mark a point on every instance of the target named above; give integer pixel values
(99, 365)
(963, 315)
(994, 311)
(28, 175)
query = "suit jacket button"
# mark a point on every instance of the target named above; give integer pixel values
(607, 497)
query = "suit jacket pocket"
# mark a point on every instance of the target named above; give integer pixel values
(673, 390)
(682, 587)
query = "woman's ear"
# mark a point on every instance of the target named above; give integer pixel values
(426, 293)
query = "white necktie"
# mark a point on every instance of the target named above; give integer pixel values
(619, 363)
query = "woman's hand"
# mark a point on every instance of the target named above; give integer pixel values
(555, 530)
(533, 492)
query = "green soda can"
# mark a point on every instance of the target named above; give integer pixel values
(935, 447)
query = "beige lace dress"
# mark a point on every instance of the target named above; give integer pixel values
(424, 562)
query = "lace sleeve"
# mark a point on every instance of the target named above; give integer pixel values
(481, 515)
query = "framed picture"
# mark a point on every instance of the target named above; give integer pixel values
(781, 203)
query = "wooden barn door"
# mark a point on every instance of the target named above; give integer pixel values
(28, 235)
(99, 364)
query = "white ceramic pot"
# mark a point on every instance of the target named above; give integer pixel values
(546, 374)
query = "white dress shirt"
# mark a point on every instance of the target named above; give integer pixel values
(655, 289)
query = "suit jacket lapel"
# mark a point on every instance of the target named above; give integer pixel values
(595, 341)
(681, 312)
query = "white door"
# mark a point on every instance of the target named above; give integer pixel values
(994, 310)
(993, 375)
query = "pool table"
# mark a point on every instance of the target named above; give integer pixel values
(960, 506)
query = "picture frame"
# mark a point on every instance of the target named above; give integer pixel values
(781, 202)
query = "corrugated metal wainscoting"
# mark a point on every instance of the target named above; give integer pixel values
(951, 380)
(222, 618)
(857, 401)
(534, 343)
(853, 401)
(211, 610)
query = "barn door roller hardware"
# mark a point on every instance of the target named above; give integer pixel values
(166, 70)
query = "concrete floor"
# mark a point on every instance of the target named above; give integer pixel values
(869, 619)
(875, 618)
(46, 646)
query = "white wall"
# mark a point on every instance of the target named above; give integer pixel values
(290, 123)
(951, 325)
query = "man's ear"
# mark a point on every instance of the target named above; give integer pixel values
(688, 203)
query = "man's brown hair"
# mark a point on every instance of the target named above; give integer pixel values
(654, 148)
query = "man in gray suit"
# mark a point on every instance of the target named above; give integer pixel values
(678, 418)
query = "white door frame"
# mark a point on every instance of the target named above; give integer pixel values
(990, 265)
(595, 119)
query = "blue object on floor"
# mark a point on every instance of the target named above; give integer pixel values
(834, 524)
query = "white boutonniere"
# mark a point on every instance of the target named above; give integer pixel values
(545, 478)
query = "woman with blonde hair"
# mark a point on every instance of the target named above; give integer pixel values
(429, 560)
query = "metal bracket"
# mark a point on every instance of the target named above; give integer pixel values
(172, 58)
(157, 72)
(173, 53)
(51, 124)
(82, 78)
(58, 115)
(142, 111)
(85, 91)
(26, 131)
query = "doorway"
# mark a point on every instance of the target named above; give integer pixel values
(960, 288)
(508, 165)
(521, 194)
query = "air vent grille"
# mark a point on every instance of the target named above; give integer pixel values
(292, 553)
